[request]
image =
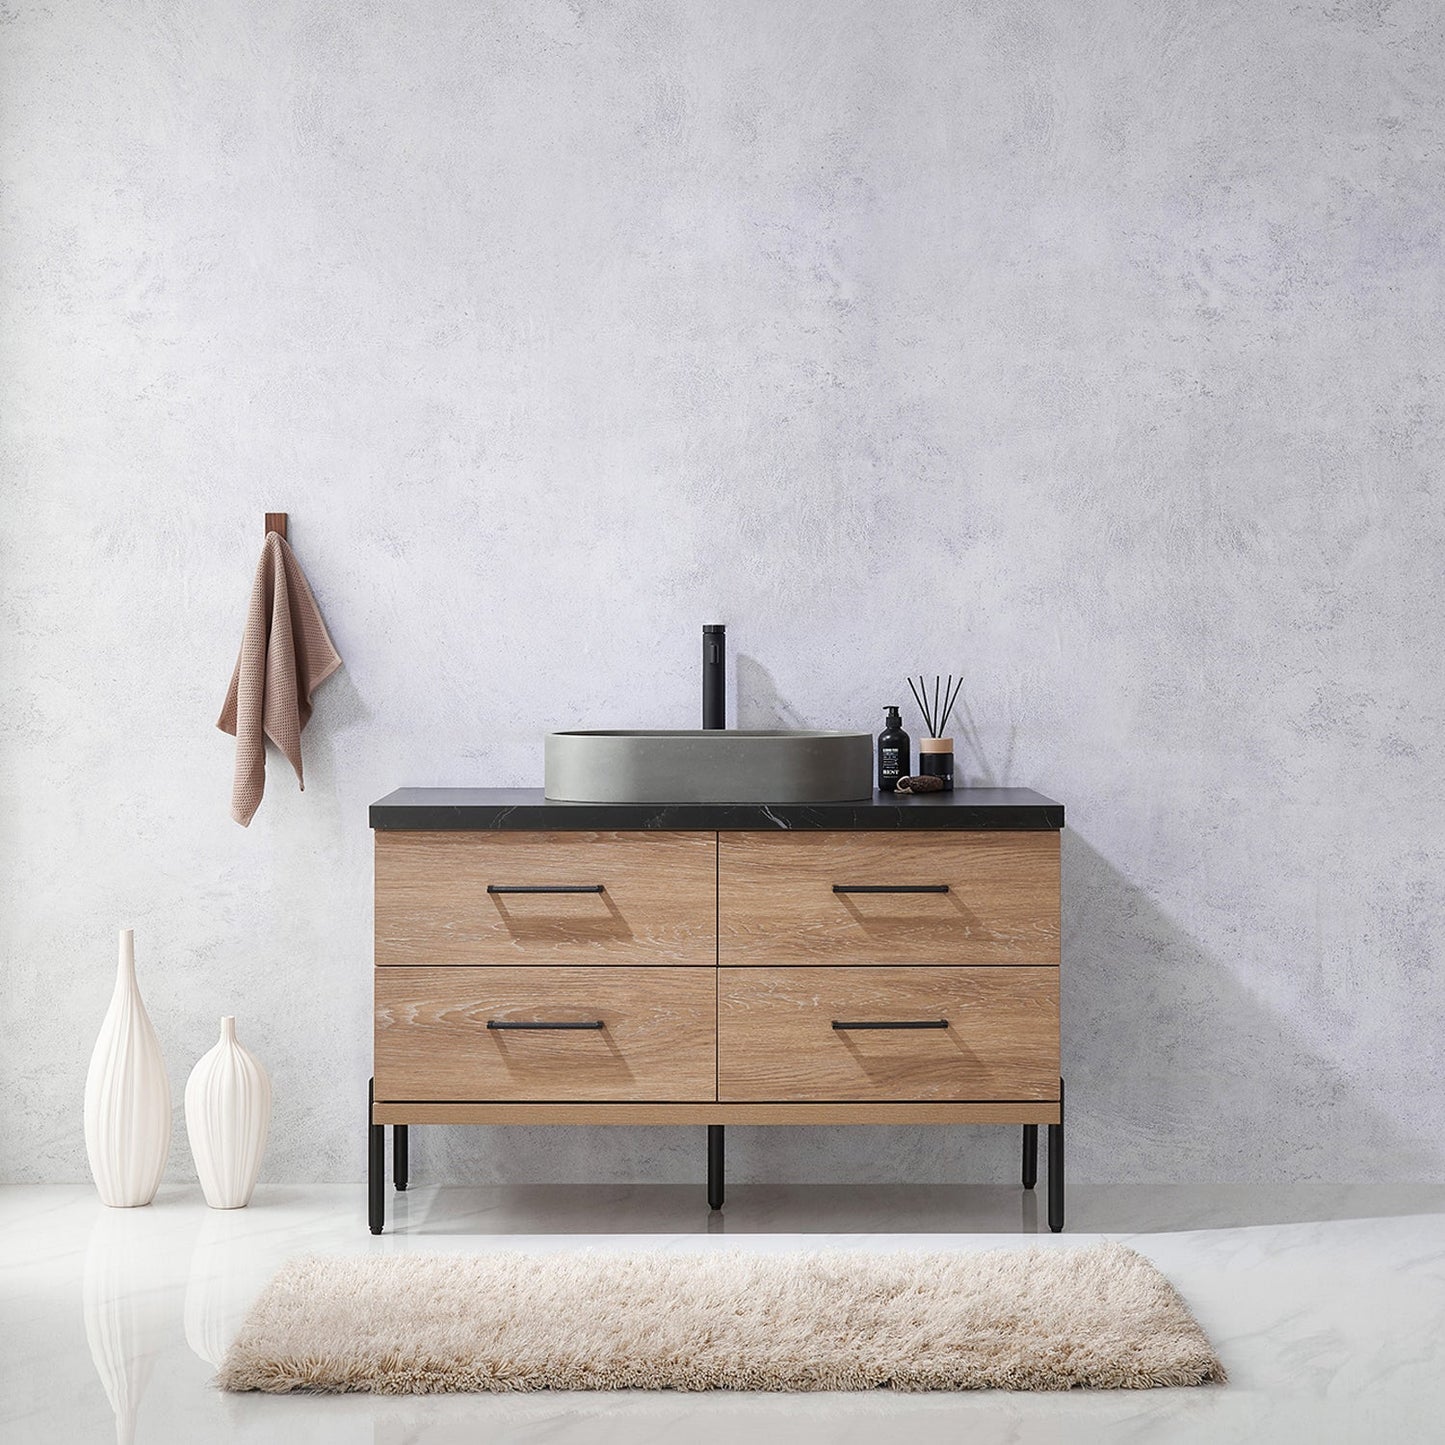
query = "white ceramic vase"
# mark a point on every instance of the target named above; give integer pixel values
(127, 1096)
(228, 1110)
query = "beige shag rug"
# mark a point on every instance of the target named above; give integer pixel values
(1036, 1319)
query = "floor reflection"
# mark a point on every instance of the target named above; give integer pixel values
(124, 1316)
(751, 1209)
(221, 1284)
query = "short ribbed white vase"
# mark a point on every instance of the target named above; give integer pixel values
(228, 1110)
(127, 1096)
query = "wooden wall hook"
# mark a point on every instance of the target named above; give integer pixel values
(276, 522)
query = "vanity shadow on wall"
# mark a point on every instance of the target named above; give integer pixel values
(889, 960)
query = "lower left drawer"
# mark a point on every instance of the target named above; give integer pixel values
(626, 1035)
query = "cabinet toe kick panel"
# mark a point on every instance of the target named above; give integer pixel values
(889, 962)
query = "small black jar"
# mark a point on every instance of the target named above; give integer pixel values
(935, 760)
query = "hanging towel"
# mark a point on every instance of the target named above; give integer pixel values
(286, 654)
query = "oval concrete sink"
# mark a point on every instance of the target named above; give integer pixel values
(721, 766)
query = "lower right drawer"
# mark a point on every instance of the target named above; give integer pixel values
(877, 1033)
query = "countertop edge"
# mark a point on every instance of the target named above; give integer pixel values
(524, 810)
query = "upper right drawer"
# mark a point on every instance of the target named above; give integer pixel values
(886, 898)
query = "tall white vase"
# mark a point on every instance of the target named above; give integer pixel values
(228, 1110)
(127, 1096)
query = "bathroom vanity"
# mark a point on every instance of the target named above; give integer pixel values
(893, 960)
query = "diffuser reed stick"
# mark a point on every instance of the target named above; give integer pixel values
(936, 715)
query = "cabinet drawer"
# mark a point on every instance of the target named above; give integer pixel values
(992, 1033)
(657, 1040)
(975, 898)
(627, 898)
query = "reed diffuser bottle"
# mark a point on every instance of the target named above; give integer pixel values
(935, 752)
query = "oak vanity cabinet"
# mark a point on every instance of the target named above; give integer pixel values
(893, 961)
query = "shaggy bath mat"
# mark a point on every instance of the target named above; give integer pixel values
(1038, 1319)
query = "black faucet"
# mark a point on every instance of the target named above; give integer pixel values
(714, 701)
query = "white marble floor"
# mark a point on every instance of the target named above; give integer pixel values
(1327, 1305)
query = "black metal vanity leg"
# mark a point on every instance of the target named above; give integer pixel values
(375, 1162)
(1031, 1155)
(398, 1155)
(1056, 1168)
(714, 1166)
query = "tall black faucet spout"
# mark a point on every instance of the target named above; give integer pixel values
(714, 655)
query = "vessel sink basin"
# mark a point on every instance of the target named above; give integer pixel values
(717, 766)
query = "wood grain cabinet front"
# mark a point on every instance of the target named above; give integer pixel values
(878, 898)
(888, 1033)
(893, 962)
(563, 1034)
(546, 898)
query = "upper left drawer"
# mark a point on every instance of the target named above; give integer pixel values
(546, 898)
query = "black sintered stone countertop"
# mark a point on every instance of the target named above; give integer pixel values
(525, 809)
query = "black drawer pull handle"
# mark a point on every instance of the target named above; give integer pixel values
(528, 1024)
(544, 888)
(902, 1024)
(890, 888)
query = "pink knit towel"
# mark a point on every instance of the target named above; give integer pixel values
(286, 654)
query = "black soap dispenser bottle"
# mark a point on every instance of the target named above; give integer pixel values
(894, 756)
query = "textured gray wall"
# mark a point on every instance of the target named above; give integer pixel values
(1093, 347)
